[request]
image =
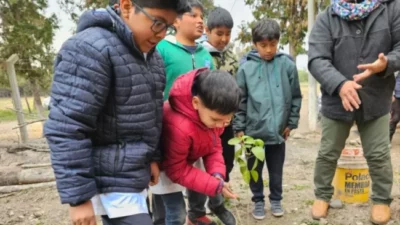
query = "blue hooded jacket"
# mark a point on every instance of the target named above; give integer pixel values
(106, 109)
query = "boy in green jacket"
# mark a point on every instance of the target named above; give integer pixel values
(269, 110)
(180, 53)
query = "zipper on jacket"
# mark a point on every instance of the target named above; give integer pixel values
(272, 104)
(116, 158)
(192, 53)
(193, 62)
(153, 86)
(116, 134)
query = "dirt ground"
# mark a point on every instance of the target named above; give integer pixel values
(42, 206)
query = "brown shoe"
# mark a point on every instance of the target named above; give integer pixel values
(380, 214)
(319, 209)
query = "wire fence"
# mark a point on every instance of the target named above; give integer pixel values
(9, 126)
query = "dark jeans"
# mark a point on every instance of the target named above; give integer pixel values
(157, 210)
(170, 209)
(395, 117)
(274, 158)
(139, 219)
(228, 150)
(175, 207)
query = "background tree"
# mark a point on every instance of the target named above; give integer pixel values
(74, 7)
(208, 6)
(27, 31)
(292, 16)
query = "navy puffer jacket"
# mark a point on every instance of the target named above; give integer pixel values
(106, 110)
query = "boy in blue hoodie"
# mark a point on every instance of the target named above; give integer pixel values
(269, 109)
(106, 111)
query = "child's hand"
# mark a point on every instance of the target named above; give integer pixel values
(155, 173)
(83, 214)
(239, 134)
(286, 133)
(226, 190)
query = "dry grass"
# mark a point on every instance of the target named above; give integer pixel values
(7, 114)
(8, 120)
(7, 103)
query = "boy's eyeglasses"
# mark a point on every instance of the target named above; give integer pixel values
(158, 26)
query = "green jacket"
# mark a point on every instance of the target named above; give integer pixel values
(178, 60)
(223, 60)
(271, 98)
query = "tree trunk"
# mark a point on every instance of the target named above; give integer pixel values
(26, 91)
(16, 188)
(36, 96)
(28, 105)
(37, 100)
(292, 52)
(17, 175)
(31, 166)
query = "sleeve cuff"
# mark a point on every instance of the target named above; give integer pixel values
(334, 86)
(77, 204)
(218, 175)
(219, 188)
(390, 66)
(337, 91)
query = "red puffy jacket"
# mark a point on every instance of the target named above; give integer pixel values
(186, 139)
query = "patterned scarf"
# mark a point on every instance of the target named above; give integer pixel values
(354, 11)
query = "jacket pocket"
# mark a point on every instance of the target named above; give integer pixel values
(135, 157)
(103, 159)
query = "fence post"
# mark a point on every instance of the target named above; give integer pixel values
(16, 97)
(312, 83)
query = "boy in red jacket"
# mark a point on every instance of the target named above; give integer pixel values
(200, 106)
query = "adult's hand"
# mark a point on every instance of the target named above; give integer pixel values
(372, 68)
(348, 94)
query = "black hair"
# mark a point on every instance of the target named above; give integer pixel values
(192, 4)
(266, 29)
(218, 91)
(219, 17)
(180, 6)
